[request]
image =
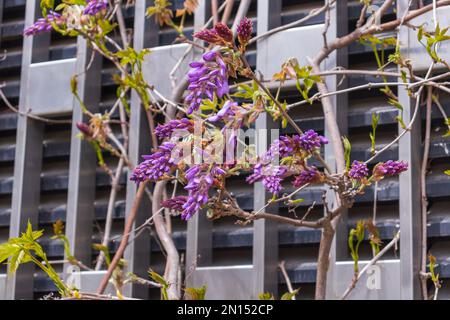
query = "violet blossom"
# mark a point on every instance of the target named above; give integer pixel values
(155, 165)
(224, 113)
(199, 183)
(358, 170)
(218, 35)
(308, 175)
(284, 146)
(176, 203)
(44, 24)
(271, 177)
(272, 182)
(95, 6)
(224, 32)
(311, 140)
(206, 78)
(244, 31)
(389, 168)
(166, 130)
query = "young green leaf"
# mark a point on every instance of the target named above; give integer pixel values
(375, 120)
(290, 295)
(266, 296)
(196, 293)
(347, 151)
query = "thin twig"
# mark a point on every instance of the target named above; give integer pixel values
(423, 191)
(313, 13)
(282, 267)
(30, 115)
(215, 11)
(123, 244)
(227, 12)
(352, 285)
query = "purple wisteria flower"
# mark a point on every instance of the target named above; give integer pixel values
(166, 130)
(225, 112)
(272, 182)
(389, 168)
(219, 35)
(205, 79)
(84, 128)
(155, 165)
(95, 6)
(284, 146)
(224, 32)
(176, 203)
(271, 177)
(358, 170)
(311, 140)
(244, 30)
(308, 175)
(257, 174)
(199, 183)
(43, 24)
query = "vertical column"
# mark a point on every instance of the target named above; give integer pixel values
(199, 228)
(137, 253)
(265, 233)
(410, 149)
(82, 167)
(338, 27)
(28, 158)
(2, 3)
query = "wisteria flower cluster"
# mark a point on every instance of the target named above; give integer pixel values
(44, 24)
(176, 203)
(244, 30)
(307, 175)
(155, 165)
(207, 78)
(222, 35)
(305, 144)
(72, 16)
(389, 168)
(95, 6)
(358, 170)
(200, 179)
(298, 148)
(199, 183)
(167, 130)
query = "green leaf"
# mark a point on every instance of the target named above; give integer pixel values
(400, 120)
(266, 296)
(61, 7)
(106, 26)
(105, 250)
(47, 4)
(358, 234)
(432, 266)
(196, 293)
(74, 84)
(76, 2)
(420, 33)
(375, 120)
(290, 295)
(160, 279)
(296, 201)
(347, 151)
(8, 249)
(395, 103)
